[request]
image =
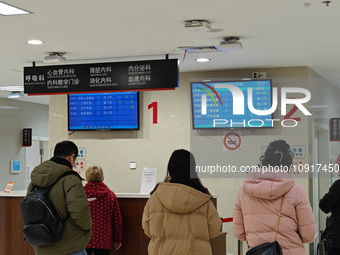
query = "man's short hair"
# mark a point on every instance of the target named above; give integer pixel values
(65, 148)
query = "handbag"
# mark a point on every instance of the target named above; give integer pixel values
(268, 248)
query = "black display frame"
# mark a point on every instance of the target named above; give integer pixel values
(106, 129)
(207, 80)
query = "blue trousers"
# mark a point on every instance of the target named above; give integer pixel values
(83, 252)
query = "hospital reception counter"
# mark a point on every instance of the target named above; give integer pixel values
(131, 206)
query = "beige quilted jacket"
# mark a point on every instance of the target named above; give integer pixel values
(180, 220)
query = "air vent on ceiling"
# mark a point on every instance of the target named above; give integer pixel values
(199, 49)
(197, 25)
(231, 43)
(200, 25)
(55, 58)
(228, 44)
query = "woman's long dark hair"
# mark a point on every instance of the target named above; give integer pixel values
(181, 164)
(278, 153)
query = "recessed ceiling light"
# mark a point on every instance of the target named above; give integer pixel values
(202, 60)
(7, 107)
(317, 106)
(15, 94)
(35, 42)
(6, 9)
(12, 88)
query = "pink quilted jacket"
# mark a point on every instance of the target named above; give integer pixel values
(257, 208)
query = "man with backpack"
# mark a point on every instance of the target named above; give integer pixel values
(69, 199)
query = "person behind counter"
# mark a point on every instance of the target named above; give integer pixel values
(180, 217)
(330, 203)
(107, 220)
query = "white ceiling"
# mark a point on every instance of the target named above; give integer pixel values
(274, 33)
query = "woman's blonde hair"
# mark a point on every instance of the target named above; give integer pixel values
(94, 173)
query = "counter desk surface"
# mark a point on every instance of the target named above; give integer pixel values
(22, 193)
(131, 207)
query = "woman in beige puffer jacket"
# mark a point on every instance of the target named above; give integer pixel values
(180, 217)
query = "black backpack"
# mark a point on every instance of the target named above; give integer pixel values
(43, 225)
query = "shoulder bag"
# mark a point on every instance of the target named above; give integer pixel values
(268, 248)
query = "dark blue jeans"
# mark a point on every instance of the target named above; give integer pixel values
(83, 252)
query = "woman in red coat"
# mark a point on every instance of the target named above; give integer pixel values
(105, 212)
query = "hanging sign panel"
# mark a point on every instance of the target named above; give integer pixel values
(27, 137)
(115, 76)
(334, 129)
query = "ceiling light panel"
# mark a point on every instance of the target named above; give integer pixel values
(35, 42)
(12, 88)
(6, 9)
(202, 60)
(8, 107)
(15, 94)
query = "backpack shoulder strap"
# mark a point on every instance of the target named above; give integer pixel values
(68, 173)
(47, 190)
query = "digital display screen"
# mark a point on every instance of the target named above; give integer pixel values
(224, 104)
(103, 111)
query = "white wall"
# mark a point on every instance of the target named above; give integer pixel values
(12, 121)
(253, 141)
(326, 94)
(152, 145)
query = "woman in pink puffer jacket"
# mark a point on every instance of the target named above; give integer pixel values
(258, 203)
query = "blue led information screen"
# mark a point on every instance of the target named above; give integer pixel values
(103, 111)
(225, 104)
